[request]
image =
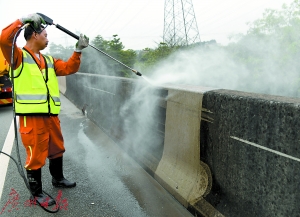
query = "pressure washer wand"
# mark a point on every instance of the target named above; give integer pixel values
(49, 21)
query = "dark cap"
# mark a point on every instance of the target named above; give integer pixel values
(29, 30)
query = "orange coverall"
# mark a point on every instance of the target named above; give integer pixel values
(41, 135)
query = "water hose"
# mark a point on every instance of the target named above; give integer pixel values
(49, 21)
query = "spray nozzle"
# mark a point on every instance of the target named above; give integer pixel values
(137, 73)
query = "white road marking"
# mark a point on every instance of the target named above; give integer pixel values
(4, 160)
(267, 149)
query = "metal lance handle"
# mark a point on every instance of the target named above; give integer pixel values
(49, 21)
(66, 31)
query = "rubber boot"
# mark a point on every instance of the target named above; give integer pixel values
(35, 184)
(56, 170)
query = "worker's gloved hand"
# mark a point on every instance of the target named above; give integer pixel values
(82, 43)
(35, 19)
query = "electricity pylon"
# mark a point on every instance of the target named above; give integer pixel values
(180, 25)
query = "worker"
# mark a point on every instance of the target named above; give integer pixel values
(37, 102)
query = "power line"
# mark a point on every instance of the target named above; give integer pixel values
(134, 17)
(120, 14)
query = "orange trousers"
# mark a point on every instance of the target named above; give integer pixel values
(42, 138)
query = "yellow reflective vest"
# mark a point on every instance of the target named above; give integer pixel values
(36, 91)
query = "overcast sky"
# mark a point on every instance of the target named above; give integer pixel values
(139, 23)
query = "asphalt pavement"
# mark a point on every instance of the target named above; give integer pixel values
(109, 182)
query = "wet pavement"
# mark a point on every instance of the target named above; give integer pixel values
(109, 182)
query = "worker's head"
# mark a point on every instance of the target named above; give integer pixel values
(37, 37)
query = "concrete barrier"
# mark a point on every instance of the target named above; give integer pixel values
(251, 144)
(218, 152)
(179, 169)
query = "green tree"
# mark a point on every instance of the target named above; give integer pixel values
(97, 62)
(100, 43)
(115, 44)
(60, 52)
(148, 57)
(271, 47)
(127, 57)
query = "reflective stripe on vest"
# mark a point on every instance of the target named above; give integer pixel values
(55, 99)
(31, 97)
(36, 91)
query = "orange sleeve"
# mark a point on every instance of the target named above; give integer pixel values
(6, 40)
(66, 68)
